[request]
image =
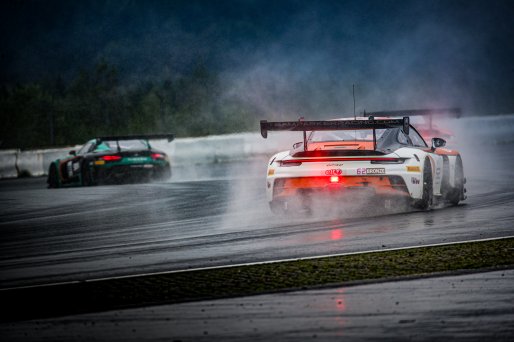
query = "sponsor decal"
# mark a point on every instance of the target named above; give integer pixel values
(371, 171)
(413, 169)
(69, 169)
(137, 159)
(415, 180)
(142, 166)
(335, 164)
(334, 172)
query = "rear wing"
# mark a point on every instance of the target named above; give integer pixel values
(430, 113)
(453, 112)
(166, 136)
(334, 125)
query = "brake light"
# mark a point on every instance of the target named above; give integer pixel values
(158, 156)
(334, 179)
(111, 158)
(389, 161)
(290, 163)
(373, 160)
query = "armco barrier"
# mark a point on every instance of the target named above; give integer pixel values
(231, 147)
(30, 163)
(53, 154)
(208, 150)
(8, 163)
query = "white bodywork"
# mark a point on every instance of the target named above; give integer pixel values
(411, 170)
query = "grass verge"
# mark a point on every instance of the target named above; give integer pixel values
(47, 301)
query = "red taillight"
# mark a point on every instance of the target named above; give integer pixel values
(334, 179)
(373, 160)
(158, 156)
(111, 158)
(290, 163)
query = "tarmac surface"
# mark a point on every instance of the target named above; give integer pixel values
(220, 218)
(216, 214)
(472, 307)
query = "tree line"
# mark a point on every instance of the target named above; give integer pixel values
(95, 103)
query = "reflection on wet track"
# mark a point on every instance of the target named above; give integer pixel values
(94, 232)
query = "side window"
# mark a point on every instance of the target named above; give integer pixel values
(403, 138)
(416, 139)
(84, 149)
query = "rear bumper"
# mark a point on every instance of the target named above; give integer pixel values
(136, 173)
(344, 187)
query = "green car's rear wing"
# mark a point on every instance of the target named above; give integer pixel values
(334, 125)
(146, 137)
(167, 136)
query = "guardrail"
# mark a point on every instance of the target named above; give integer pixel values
(231, 147)
(182, 151)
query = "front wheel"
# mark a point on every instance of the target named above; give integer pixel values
(426, 200)
(85, 174)
(53, 180)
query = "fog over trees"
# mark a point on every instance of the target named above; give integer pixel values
(72, 70)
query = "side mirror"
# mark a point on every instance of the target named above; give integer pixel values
(297, 145)
(73, 153)
(438, 142)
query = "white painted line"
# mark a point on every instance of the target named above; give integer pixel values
(254, 263)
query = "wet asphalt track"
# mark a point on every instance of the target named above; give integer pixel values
(472, 307)
(216, 215)
(210, 215)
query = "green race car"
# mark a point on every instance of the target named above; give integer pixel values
(112, 160)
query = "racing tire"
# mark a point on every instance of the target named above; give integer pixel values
(164, 174)
(455, 194)
(53, 180)
(428, 193)
(278, 207)
(85, 174)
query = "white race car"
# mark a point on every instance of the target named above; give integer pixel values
(380, 158)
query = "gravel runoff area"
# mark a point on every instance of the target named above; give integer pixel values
(175, 287)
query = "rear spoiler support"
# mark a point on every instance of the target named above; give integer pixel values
(334, 125)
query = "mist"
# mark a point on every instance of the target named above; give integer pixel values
(286, 60)
(411, 55)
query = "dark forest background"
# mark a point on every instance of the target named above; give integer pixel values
(72, 70)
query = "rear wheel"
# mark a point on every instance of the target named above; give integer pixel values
(166, 173)
(163, 174)
(53, 180)
(278, 207)
(428, 193)
(455, 194)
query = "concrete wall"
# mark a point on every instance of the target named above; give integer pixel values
(8, 159)
(232, 147)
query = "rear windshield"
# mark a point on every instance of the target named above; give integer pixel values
(355, 135)
(125, 145)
